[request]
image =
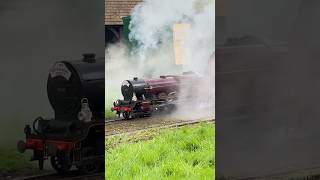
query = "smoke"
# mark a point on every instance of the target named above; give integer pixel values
(197, 100)
(122, 64)
(151, 29)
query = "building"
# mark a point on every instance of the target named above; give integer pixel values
(115, 10)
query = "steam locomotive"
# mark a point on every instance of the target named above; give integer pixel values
(75, 137)
(143, 97)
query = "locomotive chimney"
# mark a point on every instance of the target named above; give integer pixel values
(89, 57)
(135, 78)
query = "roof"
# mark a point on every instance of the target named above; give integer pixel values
(116, 9)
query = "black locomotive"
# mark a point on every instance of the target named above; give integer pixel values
(76, 134)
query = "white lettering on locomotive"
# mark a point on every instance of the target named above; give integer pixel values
(60, 69)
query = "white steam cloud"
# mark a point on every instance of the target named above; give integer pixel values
(151, 27)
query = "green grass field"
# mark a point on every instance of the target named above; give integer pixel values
(184, 153)
(109, 104)
(109, 114)
(11, 160)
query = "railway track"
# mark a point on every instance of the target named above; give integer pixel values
(72, 175)
(112, 121)
(116, 127)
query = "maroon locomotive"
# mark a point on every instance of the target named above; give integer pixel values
(143, 97)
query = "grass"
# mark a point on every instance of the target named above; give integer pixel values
(109, 114)
(184, 153)
(11, 160)
(109, 104)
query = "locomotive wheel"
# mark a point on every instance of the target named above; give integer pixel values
(126, 115)
(61, 162)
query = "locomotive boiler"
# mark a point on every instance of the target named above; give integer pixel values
(142, 97)
(75, 136)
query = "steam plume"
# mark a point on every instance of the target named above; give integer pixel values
(151, 28)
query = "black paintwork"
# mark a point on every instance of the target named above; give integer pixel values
(131, 87)
(86, 81)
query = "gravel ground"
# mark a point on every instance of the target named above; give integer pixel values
(22, 173)
(72, 175)
(125, 126)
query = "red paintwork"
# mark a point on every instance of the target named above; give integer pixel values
(122, 109)
(145, 106)
(39, 144)
(170, 83)
(165, 84)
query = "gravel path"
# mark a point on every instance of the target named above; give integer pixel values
(127, 126)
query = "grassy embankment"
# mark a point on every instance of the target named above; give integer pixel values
(11, 161)
(109, 104)
(109, 114)
(184, 153)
